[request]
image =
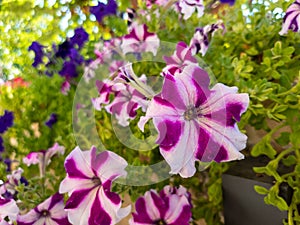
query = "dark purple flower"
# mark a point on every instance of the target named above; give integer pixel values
(102, 10)
(75, 56)
(64, 49)
(52, 120)
(38, 50)
(230, 2)
(68, 70)
(1, 145)
(7, 161)
(80, 37)
(6, 121)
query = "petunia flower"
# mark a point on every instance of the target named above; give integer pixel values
(43, 158)
(102, 10)
(139, 40)
(79, 38)
(68, 70)
(14, 179)
(1, 145)
(196, 123)
(38, 51)
(202, 36)
(64, 49)
(65, 87)
(6, 121)
(188, 7)
(291, 20)
(52, 120)
(181, 58)
(9, 209)
(230, 2)
(88, 183)
(170, 207)
(104, 89)
(49, 212)
(149, 3)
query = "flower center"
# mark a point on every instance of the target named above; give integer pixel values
(45, 213)
(96, 181)
(160, 222)
(191, 113)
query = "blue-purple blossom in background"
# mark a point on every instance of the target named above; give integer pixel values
(230, 2)
(1, 145)
(51, 121)
(6, 121)
(102, 10)
(38, 50)
(80, 37)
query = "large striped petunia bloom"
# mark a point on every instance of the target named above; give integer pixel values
(8, 209)
(170, 207)
(196, 123)
(140, 40)
(291, 20)
(88, 183)
(49, 212)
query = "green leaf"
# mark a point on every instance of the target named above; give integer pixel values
(290, 160)
(261, 190)
(264, 148)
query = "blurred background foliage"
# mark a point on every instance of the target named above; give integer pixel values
(250, 55)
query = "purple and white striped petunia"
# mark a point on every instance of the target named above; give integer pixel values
(181, 58)
(8, 209)
(104, 89)
(170, 207)
(140, 40)
(201, 38)
(13, 180)
(49, 212)
(43, 158)
(88, 183)
(188, 7)
(196, 123)
(291, 20)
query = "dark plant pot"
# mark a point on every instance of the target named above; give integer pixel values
(242, 205)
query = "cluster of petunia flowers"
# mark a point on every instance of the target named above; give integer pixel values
(195, 121)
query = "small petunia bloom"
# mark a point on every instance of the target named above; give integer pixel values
(8, 209)
(149, 3)
(79, 38)
(6, 121)
(181, 58)
(196, 123)
(13, 180)
(49, 212)
(202, 36)
(88, 183)
(170, 207)
(65, 87)
(140, 40)
(104, 89)
(43, 158)
(291, 20)
(188, 7)
(38, 51)
(52, 120)
(102, 10)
